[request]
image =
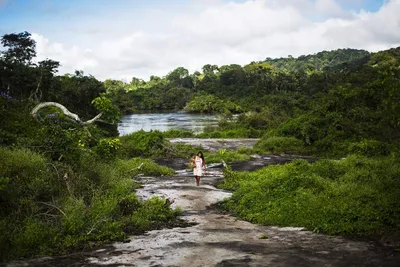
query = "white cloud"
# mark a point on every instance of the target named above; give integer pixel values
(329, 8)
(71, 58)
(219, 33)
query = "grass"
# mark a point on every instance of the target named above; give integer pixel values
(51, 208)
(178, 134)
(357, 196)
(277, 144)
(231, 133)
(227, 156)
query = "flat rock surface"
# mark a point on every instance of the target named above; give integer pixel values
(222, 240)
(216, 239)
(213, 144)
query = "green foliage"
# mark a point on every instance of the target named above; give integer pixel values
(308, 128)
(107, 148)
(227, 156)
(17, 127)
(278, 144)
(129, 204)
(64, 186)
(355, 196)
(178, 134)
(110, 112)
(142, 143)
(247, 125)
(51, 207)
(152, 214)
(26, 177)
(134, 166)
(319, 61)
(370, 148)
(230, 133)
(211, 104)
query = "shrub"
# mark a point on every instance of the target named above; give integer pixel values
(178, 134)
(152, 214)
(132, 167)
(211, 104)
(227, 156)
(107, 148)
(51, 208)
(280, 144)
(231, 133)
(369, 148)
(25, 175)
(356, 196)
(142, 143)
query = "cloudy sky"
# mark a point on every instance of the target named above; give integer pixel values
(120, 39)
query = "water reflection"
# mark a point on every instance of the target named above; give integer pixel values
(165, 121)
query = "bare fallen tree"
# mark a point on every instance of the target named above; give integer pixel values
(66, 112)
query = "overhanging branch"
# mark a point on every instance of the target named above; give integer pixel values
(66, 112)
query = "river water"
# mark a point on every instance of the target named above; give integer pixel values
(166, 121)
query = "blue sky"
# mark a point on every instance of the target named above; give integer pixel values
(367, 5)
(124, 38)
(43, 15)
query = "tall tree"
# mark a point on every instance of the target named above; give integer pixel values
(20, 48)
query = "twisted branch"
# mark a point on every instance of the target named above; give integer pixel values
(66, 112)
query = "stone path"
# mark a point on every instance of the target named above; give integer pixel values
(216, 239)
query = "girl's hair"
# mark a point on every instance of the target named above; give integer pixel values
(202, 156)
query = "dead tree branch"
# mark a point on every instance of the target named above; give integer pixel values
(66, 112)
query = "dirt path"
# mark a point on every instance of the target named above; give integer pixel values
(217, 239)
(222, 240)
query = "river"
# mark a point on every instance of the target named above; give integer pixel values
(166, 121)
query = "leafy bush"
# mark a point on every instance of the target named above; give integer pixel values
(25, 177)
(51, 208)
(355, 196)
(307, 127)
(211, 104)
(142, 143)
(132, 167)
(178, 134)
(227, 156)
(280, 144)
(369, 148)
(231, 133)
(107, 148)
(152, 214)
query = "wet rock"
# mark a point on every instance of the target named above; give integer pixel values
(214, 239)
(216, 144)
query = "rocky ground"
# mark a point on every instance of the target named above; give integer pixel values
(217, 239)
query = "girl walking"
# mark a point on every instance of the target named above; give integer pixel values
(198, 167)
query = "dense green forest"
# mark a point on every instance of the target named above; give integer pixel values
(65, 184)
(324, 100)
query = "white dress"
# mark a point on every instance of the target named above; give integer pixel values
(198, 171)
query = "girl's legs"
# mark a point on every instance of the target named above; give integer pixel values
(198, 180)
